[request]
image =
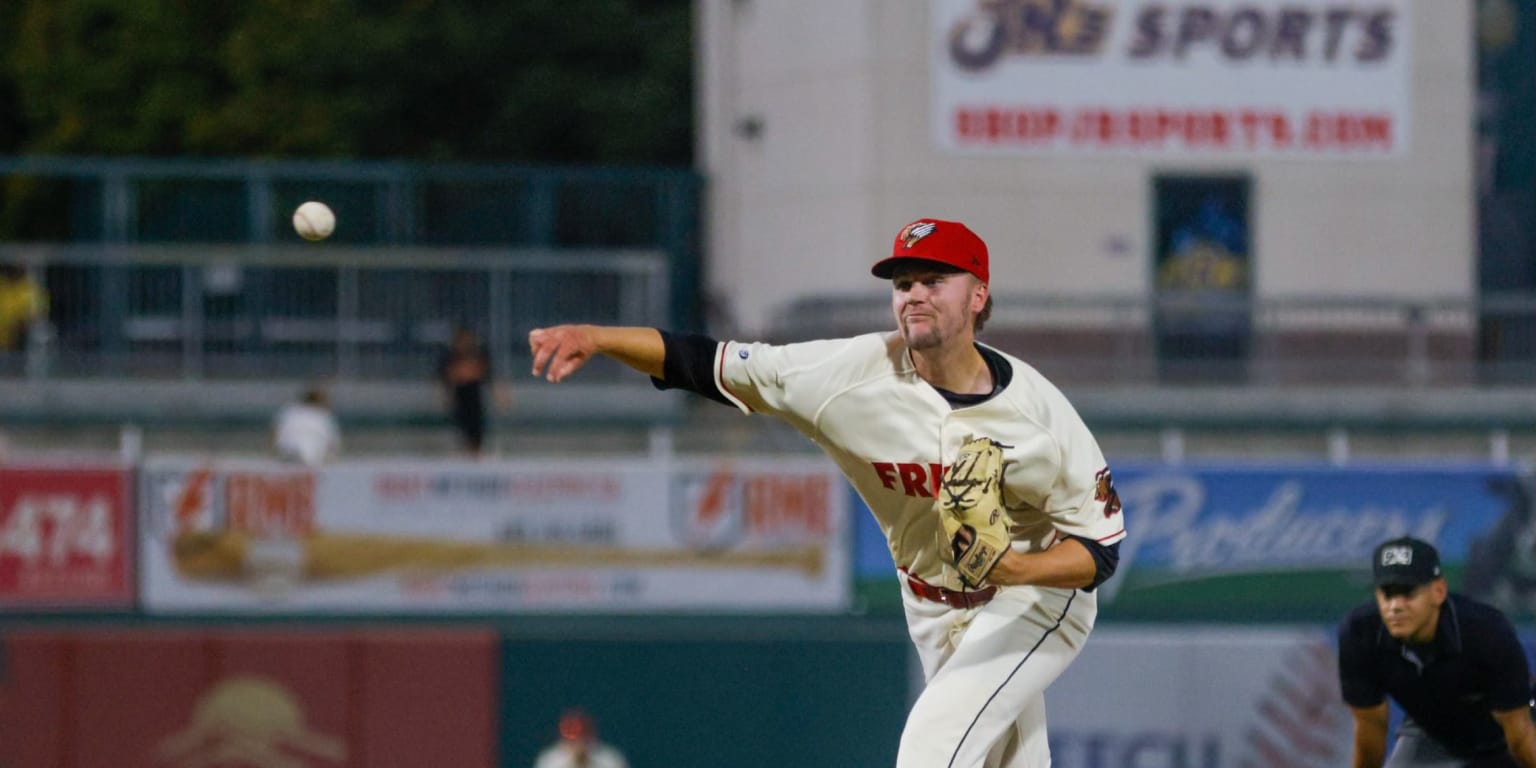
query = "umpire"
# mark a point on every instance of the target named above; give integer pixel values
(1453, 664)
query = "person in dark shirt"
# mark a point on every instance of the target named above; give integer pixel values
(1454, 665)
(465, 373)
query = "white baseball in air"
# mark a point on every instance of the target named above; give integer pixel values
(314, 221)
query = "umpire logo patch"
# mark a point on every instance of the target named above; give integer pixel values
(1397, 556)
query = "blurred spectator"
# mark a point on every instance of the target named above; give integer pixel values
(23, 303)
(465, 374)
(578, 746)
(306, 431)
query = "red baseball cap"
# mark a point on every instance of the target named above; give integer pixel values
(946, 242)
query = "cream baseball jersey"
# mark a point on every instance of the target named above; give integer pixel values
(893, 434)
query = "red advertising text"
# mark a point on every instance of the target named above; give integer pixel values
(271, 504)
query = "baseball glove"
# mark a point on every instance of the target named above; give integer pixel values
(971, 509)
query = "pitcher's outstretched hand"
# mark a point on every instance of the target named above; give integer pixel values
(560, 350)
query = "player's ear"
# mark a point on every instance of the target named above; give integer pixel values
(979, 293)
(1439, 589)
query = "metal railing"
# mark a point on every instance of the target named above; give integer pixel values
(149, 201)
(299, 312)
(214, 337)
(223, 312)
(1167, 339)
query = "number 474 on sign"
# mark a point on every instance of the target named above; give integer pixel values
(51, 528)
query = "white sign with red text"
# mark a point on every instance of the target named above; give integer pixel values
(593, 536)
(1202, 697)
(64, 540)
(1293, 78)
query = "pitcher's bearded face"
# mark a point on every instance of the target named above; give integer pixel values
(935, 306)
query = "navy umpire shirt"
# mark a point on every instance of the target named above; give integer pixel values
(1474, 666)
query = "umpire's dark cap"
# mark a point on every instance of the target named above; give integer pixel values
(1405, 562)
(945, 242)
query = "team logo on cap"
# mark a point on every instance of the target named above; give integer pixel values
(914, 232)
(1397, 556)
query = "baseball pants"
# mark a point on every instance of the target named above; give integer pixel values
(1414, 749)
(987, 669)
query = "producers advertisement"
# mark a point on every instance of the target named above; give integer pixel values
(605, 536)
(64, 537)
(1283, 543)
(1291, 78)
(1232, 543)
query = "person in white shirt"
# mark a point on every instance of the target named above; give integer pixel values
(578, 746)
(306, 431)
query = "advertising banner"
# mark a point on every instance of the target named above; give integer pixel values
(1298, 78)
(1294, 543)
(1231, 543)
(1202, 698)
(606, 536)
(64, 537)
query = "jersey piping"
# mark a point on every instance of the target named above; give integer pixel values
(999, 689)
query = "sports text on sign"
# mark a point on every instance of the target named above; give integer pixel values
(1303, 78)
(1073, 28)
(1276, 34)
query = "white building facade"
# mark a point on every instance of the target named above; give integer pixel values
(826, 125)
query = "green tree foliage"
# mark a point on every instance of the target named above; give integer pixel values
(532, 81)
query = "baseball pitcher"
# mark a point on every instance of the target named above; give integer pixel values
(1000, 511)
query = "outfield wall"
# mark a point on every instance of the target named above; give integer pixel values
(707, 612)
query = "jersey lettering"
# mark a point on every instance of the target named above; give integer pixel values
(917, 480)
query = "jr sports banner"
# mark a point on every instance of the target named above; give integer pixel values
(64, 537)
(1229, 543)
(607, 536)
(1295, 78)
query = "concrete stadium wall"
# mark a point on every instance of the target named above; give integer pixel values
(816, 136)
